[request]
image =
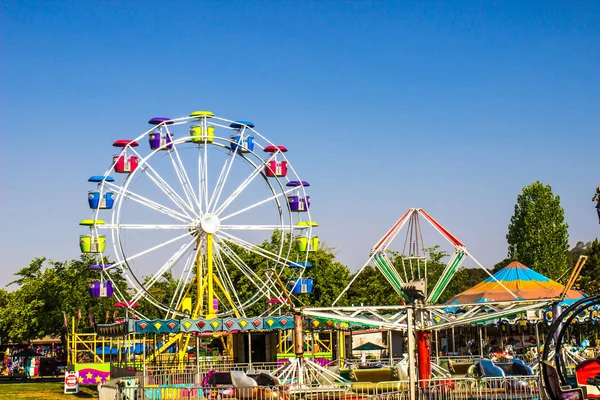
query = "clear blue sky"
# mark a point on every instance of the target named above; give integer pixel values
(451, 106)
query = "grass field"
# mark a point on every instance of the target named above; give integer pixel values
(46, 390)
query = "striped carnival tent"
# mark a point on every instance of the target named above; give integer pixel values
(525, 283)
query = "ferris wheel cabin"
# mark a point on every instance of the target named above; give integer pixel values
(158, 139)
(297, 202)
(97, 198)
(301, 286)
(202, 132)
(305, 242)
(125, 162)
(101, 289)
(240, 141)
(275, 167)
(101, 200)
(92, 243)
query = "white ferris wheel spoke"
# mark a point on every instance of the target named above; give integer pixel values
(147, 226)
(162, 270)
(201, 194)
(228, 285)
(255, 227)
(182, 282)
(133, 257)
(205, 173)
(253, 248)
(256, 172)
(239, 263)
(148, 203)
(168, 191)
(243, 268)
(165, 187)
(268, 199)
(218, 189)
(184, 180)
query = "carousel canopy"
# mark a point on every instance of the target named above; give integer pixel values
(524, 282)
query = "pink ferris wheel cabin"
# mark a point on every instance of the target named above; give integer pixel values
(125, 162)
(275, 167)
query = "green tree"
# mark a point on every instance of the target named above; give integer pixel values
(538, 234)
(47, 290)
(588, 279)
(580, 249)
(162, 291)
(371, 288)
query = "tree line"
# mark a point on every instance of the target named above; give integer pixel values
(47, 294)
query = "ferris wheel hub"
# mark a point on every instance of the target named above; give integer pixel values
(209, 223)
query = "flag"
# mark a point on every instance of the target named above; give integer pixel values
(91, 316)
(64, 319)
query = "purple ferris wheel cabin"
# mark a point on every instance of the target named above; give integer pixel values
(158, 139)
(297, 202)
(101, 289)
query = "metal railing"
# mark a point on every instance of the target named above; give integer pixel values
(186, 386)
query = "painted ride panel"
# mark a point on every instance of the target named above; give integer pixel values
(96, 201)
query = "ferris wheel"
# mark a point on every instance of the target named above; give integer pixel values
(203, 205)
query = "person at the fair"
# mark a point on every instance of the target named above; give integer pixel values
(596, 198)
